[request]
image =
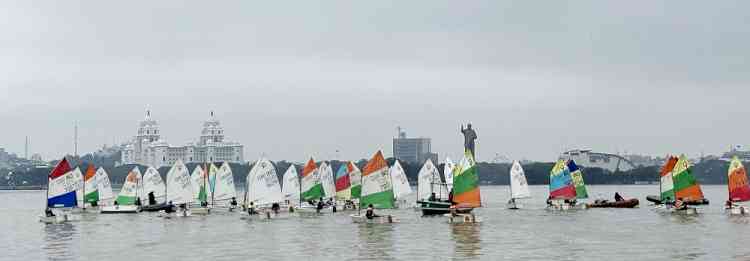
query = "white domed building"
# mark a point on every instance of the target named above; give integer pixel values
(148, 148)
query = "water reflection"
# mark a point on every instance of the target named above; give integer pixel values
(58, 241)
(375, 241)
(467, 239)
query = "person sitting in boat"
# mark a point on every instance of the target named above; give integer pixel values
(169, 208)
(137, 201)
(151, 198)
(116, 204)
(450, 196)
(319, 207)
(370, 213)
(311, 202)
(233, 202)
(251, 209)
(432, 197)
(48, 212)
(275, 207)
(549, 201)
(618, 197)
(204, 204)
(728, 204)
(679, 204)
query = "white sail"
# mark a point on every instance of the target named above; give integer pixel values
(290, 188)
(263, 186)
(448, 172)
(78, 181)
(132, 188)
(401, 187)
(224, 183)
(429, 182)
(104, 187)
(179, 187)
(152, 182)
(519, 188)
(327, 180)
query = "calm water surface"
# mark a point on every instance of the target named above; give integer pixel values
(530, 234)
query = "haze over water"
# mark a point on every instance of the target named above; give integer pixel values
(529, 234)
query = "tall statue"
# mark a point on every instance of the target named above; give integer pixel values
(469, 136)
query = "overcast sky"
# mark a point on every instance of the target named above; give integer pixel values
(293, 79)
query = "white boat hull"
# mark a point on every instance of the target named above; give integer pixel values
(312, 209)
(362, 219)
(200, 211)
(463, 218)
(128, 209)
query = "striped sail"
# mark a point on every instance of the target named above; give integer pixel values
(152, 182)
(560, 183)
(291, 188)
(466, 191)
(355, 177)
(263, 186)
(89, 180)
(199, 181)
(686, 187)
(311, 187)
(327, 180)
(376, 184)
(739, 190)
(343, 186)
(577, 176)
(104, 187)
(179, 187)
(131, 189)
(223, 185)
(61, 186)
(666, 185)
(78, 176)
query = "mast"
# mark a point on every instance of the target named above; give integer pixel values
(83, 206)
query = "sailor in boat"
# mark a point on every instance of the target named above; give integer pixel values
(332, 204)
(618, 197)
(370, 213)
(512, 202)
(450, 197)
(319, 207)
(275, 207)
(48, 212)
(204, 204)
(549, 201)
(233, 203)
(95, 203)
(432, 197)
(151, 198)
(170, 207)
(137, 201)
(251, 209)
(117, 205)
(679, 204)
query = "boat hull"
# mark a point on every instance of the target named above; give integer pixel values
(657, 200)
(738, 211)
(630, 203)
(362, 219)
(156, 207)
(200, 211)
(129, 209)
(432, 208)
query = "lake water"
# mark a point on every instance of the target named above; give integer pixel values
(529, 234)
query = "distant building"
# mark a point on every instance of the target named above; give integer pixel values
(413, 150)
(4, 159)
(743, 155)
(590, 159)
(147, 148)
(645, 161)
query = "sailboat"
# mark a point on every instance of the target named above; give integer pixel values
(466, 192)
(263, 188)
(401, 187)
(128, 199)
(377, 191)
(91, 192)
(61, 193)
(327, 180)
(432, 192)
(519, 188)
(198, 180)
(448, 172)
(666, 189)
(311, 188)
(343, 186)
(179, 188)
(291, 188)
(355, 177)
(738, 187)
(223, 185)
(155, 191)
(561, 187)
(103, 188)
(203, 194)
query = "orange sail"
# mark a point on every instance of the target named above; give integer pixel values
(739, 190)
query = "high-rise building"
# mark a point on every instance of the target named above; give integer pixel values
(148, 148)
(413, 150)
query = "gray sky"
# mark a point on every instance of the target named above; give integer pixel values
(294, 79)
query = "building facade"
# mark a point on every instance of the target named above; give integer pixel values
(590, 159)
(148, 147)
(413, 150)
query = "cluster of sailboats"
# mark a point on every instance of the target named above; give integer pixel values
(455, 194)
